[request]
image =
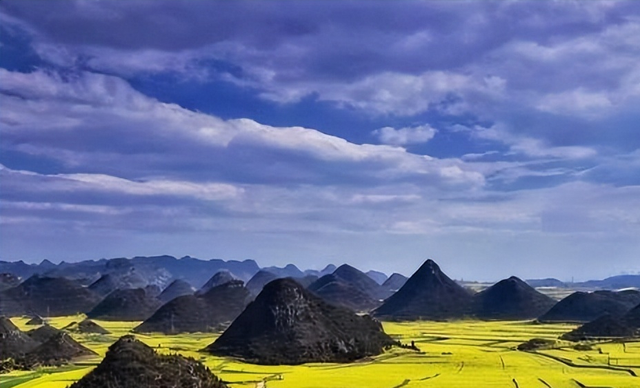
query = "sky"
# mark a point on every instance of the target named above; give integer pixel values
(497, 138)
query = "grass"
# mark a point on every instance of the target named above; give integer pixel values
(453, 354)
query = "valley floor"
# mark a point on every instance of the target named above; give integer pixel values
(452, 355)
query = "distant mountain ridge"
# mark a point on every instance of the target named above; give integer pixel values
(612, 283)
(146, 270)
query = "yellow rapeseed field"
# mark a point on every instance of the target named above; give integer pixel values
(452, 355)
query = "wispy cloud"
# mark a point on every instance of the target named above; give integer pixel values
(406, 135)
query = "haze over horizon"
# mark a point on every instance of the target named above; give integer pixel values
(497, 138)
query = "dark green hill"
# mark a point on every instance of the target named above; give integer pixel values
(177, 288)
(428, 294)
(105, 285)
(602, 328)
(208, 312)
(360, 280)
(43, 333)
(259, 280)
(125, 305)
(8, 280)
(632, 318)
(377, 276)
(130, 363)
(35, 321)
(338, 292)
(218, 279)
(86, 326)
(48, 296)
(587, 306)
(287, 324)
(13, 342)
(59, 348)
(394, 283)
(511, 299)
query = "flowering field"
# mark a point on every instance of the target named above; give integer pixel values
(452, 354)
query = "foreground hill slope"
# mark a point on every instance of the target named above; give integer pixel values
(131, 363)
(428, 294)
(511, 299)
(286, 324)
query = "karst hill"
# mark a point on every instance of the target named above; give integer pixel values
(427, 294)
(199, 313)
(511, 299)
(130, 363)
(286, 324)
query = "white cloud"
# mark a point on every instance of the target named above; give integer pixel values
(384, 198)
(85, 109)
(406, 135)
(394, 93)
(578, 101)
(528, 146)
(22, 180)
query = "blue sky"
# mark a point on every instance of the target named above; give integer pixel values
(498, 138)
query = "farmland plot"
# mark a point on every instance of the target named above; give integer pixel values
(452, 355)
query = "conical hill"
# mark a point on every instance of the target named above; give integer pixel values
(8, 280)
(259, 280)
(208, 312)
(428, 294)
(339, 292)
(587, 306)
(125, 305)
(49, 296)
(394, 283)
(131, 363)
(57, 349)
(43, 333)
(632, 318)
(86, 326)
(13, 342)
(218, 279)
(287, 324)
(360, 280)
(177, 288)
(602, 328)
(35, 321)
(511, 299)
